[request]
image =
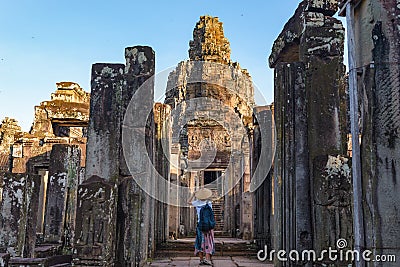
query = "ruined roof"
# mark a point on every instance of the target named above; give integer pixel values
(309, 13)
(70, 92)
(9, 130)
(69, 105)
(9, 124)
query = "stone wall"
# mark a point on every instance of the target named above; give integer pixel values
(312, 178)
(377, 53)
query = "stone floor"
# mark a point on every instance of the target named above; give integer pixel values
(218, 261)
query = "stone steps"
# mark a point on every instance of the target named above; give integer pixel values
(220, 234)
(223, 247)
(218, 214)
(55, 261)
(47, 250)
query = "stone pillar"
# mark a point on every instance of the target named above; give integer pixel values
(175, 172)
(139, 68)
(234, 198)
(247, 220)
(312, 185)
(96, 217)
(61, 197)
(135, 229)
(247, 197)
(115, 218)
(262, 207)
(18, 213)
(291, 171)
(377, 59)
(162, 149)
(104, 130)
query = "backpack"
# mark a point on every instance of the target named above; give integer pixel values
(207, 220)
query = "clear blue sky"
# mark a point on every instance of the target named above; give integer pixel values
(44, 42)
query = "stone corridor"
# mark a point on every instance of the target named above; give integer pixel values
(103, 178)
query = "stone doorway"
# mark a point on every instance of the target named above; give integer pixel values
(44, 177)
(211, 176)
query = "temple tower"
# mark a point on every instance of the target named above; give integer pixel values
(212, 100)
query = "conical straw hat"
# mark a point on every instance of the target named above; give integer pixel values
(203, 194)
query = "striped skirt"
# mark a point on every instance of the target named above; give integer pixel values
(204, 242)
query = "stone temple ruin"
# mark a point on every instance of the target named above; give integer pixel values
(76, 190)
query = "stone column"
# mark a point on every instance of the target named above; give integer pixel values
(104, 130)
(97, 196)
(312, 185)
(292, 175)
(115, 220)
(61, 196)
(139, 68)
(262, 208)
(377, 59)
(175, 172)
(18, 213)
(135, 207)
(162, 149)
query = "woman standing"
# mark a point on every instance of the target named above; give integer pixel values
(204, 243)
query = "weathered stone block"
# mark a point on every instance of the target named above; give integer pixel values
(326, 7)
(134, 227)
(325, 34)
(96, 221)
(139, 71)
(104, 131)
(332, 201)
(323, 37)
(19, 205)
(61, 194)
(286, 46)
(4, 259)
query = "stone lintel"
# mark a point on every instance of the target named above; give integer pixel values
(307, 17)
(322, 37)
(285, 47)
